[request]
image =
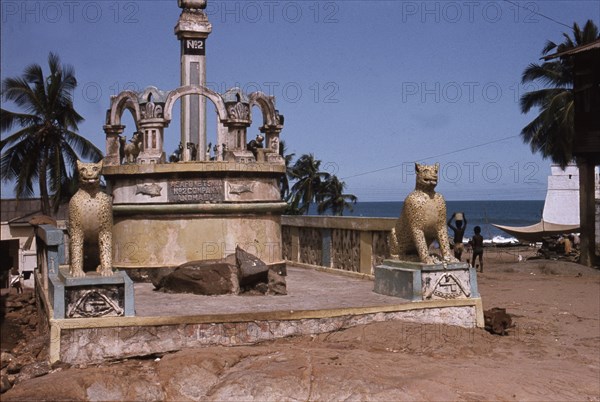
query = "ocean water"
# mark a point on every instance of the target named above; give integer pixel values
(477, 213)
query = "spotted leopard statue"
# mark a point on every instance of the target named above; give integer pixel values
(90, 220)
(423, 219)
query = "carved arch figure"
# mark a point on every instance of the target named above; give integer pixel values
(266, 105)
(118, 104)
(214, 97)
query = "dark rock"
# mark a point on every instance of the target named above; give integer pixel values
(5, 385)
(5, 359)
(202, 277)
(33, 370)
(262, 288)
(157, 275)
(497, 321)
(14, 366)
(237, 272)
(251, 269)
(277, 284)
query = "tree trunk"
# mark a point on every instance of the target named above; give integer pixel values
(587, 211)
(43, 179)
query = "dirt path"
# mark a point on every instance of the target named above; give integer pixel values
(553, 353)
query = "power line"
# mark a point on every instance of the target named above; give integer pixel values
(537, 13)
(431, 157)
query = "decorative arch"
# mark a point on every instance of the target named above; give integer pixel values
(125, 100)
(266, 105)
(158, 96)
(214, 97)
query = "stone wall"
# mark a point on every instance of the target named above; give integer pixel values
(94, 345)
(348, 244)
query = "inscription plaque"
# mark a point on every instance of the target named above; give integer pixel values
(196, 190)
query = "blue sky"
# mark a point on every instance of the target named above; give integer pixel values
(368, 87)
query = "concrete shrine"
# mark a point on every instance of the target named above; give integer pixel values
(212, 199)
(199, 205)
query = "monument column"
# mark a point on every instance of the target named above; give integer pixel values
(113, 146)
(192, 29)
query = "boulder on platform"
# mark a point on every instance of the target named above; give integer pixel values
(238, 273)
(251, 269)
(215, 277)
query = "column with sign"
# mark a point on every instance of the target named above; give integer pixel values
(192, 29)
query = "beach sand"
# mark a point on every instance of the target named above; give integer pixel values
(552, 353)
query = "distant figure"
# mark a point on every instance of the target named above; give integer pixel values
(176, 155)
(255, 144)
(477, 247)
(16, 280)
(207, 153)
(459, 233)
(575, 240)
(566, 244)
(193, 151)
(132, 150)
(122, 143)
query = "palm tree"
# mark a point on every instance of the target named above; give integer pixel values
(332, 197)
(309, 180)
(45, 147)
(284, 183)
(551, 132)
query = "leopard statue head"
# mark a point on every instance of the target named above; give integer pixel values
(89, 173)
(427, 176)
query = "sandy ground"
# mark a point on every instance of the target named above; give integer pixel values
(552, 353)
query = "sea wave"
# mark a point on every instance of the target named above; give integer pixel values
(501, 240)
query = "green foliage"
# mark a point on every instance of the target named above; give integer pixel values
(311, 185)
(45, 146)
(551, 132)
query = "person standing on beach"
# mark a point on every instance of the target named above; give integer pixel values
(459, 233)
(477, 247)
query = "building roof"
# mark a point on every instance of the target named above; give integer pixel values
(21, 211)
(579, 49)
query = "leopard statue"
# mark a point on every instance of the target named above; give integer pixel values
(423, 219)
(90, 220)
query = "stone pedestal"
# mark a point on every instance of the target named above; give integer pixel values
(91, 296)
(168, 214)
(417, 281)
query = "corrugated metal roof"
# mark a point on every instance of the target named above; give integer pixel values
(13, 211)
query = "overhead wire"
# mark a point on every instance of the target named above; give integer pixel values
(431, 157)
(538, 13)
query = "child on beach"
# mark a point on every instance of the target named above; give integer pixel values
(459, 233)
(477, 247)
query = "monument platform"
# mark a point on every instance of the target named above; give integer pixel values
(417, 281)
(91, 295)
(317, 302)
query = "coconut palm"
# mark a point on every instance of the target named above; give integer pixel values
(551, 132)
(284, 183)
(308, 183)
(45, 147)
(332, 197)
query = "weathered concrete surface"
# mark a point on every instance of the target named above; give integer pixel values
(556, 339)
(145, 241)
(95, 345)
(170, 322)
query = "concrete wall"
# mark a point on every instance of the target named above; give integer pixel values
(344, 243)
(143, 242)
(562, 198)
